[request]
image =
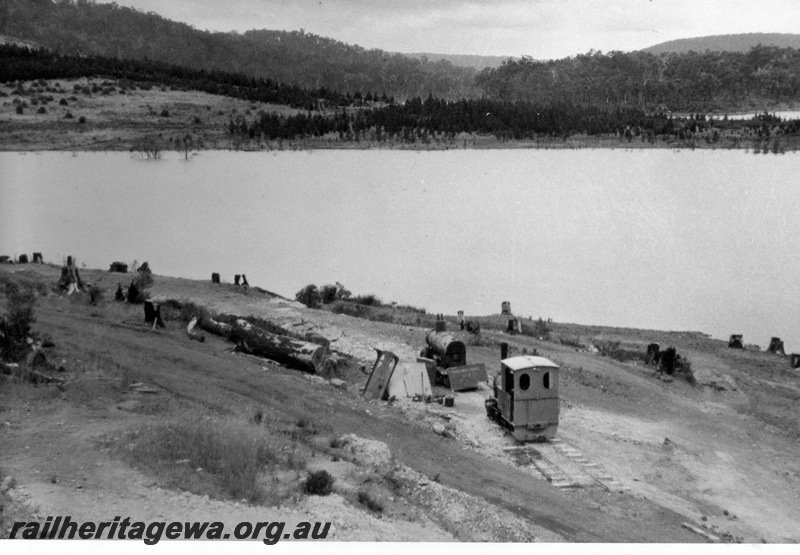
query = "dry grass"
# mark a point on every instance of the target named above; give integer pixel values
(239, 458)
(114, 121)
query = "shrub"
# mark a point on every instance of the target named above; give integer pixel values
(164, 113)
(134, 296)
(369, 502)
(147, 147)
(612, 349)
(68, 115)
(82, 119)
(41, 110)
(571, 341)
(327, 294)
(411, 308)
(540, 329)
(20, 109)
(319, 483)
(367, 300)
(357, 311)
(309, 296)
(95, 294)
(683, 368)
(15, 326)
(137, 290)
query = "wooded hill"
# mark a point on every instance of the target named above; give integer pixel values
(742, 42)
(330, 117)
(297, 58)
(708, 81)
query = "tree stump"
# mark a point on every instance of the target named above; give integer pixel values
(776, 346)
(669, 361)
(215, 277)
(37, 258)
(736, 342)
(23, 259)
(244, 281)
(653, 354)
(152, 314)
(70, 280)
(236, 279)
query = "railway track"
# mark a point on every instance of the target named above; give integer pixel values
(564, 466)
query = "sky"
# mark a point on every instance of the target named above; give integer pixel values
(542, 29)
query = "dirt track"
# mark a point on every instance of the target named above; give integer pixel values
(724, 450)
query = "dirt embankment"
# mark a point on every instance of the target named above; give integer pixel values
(720, 456)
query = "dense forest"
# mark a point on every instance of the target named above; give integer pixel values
(346, 93)
(20, 63)
(309, 61)
(708, 81)
(378, 119)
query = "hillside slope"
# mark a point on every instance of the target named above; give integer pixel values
(720, 456)
(726, 43)
(295, 57)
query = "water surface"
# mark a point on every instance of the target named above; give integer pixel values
(676, 240)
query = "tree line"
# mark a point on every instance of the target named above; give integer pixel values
(680, 82)
(305, 60)
(20, 63)
(692, 81)
(378, 119)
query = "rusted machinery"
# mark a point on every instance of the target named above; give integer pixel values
(450, 358)
(526, 397)
(445, 349)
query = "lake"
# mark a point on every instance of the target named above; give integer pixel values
(675, 240)
(784, 115)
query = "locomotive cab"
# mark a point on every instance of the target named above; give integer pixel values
(526, 397)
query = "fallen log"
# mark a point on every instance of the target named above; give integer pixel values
(217, 328)
(280, 348)
(193, 335)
